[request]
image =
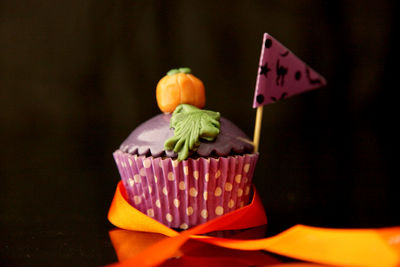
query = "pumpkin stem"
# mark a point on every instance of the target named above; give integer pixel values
(185, 70)
(180, 70)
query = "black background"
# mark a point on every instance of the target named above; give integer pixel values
(77, 76)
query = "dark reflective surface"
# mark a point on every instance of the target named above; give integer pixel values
(76, 78)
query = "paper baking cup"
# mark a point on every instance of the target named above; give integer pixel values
(186, 193)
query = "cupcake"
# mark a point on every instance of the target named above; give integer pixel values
(186, 165)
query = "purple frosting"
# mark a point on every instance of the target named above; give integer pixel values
(149, 137)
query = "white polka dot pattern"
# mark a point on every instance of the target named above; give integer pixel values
(176, 202)
(150, 213)
(165, 190)
(137, 199)
(182, 185)
(184, 226)
(189, 211)
(219, 210)
(238, 178)
(218, 192)
(146, 163)
(137, 178)
(228, 187)
(246, 167)
(204, 213)
(193, 192)
(160, 187)
(240, 192)
(231, 203)
(247, 190)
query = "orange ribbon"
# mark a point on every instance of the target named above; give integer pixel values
(342, 247)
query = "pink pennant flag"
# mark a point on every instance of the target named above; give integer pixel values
(281, 74)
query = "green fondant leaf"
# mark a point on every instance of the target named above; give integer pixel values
(190, 125)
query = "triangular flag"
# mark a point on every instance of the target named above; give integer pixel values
(281, 74)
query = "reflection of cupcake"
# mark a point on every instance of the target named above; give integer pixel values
(187, 167)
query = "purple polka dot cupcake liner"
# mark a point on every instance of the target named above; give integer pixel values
(182, 194)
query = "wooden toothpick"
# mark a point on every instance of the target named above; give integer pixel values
(257, 128)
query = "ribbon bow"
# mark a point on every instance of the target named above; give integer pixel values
(341, 247)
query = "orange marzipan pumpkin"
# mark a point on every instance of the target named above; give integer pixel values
(179, 88)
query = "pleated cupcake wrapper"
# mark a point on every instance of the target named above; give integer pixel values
(186, 193)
